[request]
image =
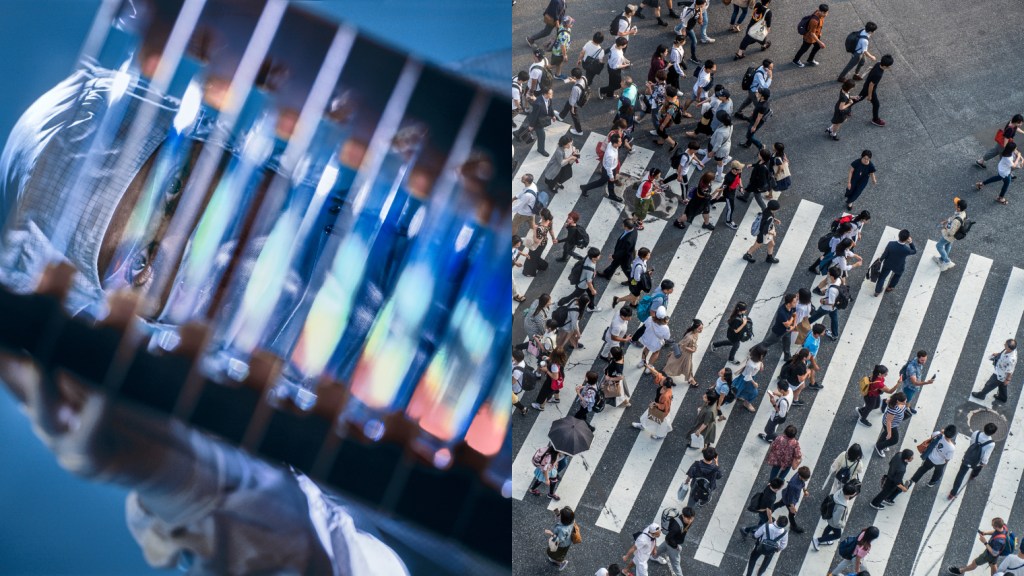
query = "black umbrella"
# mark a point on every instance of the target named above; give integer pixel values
(570, 435)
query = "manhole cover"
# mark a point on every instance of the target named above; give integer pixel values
(977, 419)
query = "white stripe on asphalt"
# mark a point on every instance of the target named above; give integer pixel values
(732, 502)
(534, 163)
(929, 405)
(897, 352)
(1005, 327)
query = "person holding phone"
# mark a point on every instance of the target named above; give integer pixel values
(912, 375)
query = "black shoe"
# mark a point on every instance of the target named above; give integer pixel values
(624, 282)
(679, 224)
(978, 395)
(640, 15)
(815, 290)
(672, 13)
(615, 301)
(799, 403)
(561, 259)
(662, 22)
(771, 259)
(615, 199)
(798, 529)
(543, 153)
(745, 145)
(748, 257)
(813, 268)
(798, 63)
(707, 226)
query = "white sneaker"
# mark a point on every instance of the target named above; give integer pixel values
(638, 425)
(948, 265)
(937, 259)
(652, 132)
(661, 560)
(814, 542)
(641, 364)
(707, 40)
(575, 132)
(558, 116)
(597, 309)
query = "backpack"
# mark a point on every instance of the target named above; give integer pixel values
(903, 373)
(748, 78)
(576, 273)
(768, 545)
(540, 200)
(643, 307)
(824, 241)
(599, 400)
(847, 546)
(840, 221)
(828, 507)
(538, 456)
(701, 491)
(964, 229)
(668, 516)
(973, 455)
(755, 503)
(844, 474)
(522, 92)
(614, 26)
(584, 95)
(865, 386)
(843, 298)
(748, 331)
(756, 226)
(1011, 544)
(582, 238)
(547, 79)
(801, 27)
(527, 379)
(560, 315)
(852, 39)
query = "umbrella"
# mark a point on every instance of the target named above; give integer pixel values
(570, 435)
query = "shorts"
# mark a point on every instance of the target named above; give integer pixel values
(557, 59)
(651, 3)
(764, 239)
(635, 289)
(985, 558)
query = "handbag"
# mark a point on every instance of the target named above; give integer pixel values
(875, 270)
(576, 537)
(782, 171)
(684, 489)
(696, 440)
(611, 388)
(532, 349)
(759, 31)
(676, 350)
(655, 413)
(1000, 138)
(552, 547)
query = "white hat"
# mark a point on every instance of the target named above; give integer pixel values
(661, 313)
(654, 528)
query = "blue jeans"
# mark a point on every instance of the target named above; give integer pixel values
(943, 247)
(997, 178)
(704, 26)
(778, 472)
(911, 392)
(738, 15)
(692, 36)
(833, 316)
(751, 139)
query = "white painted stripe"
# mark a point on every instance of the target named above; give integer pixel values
(932, 546)
(761, 313)
(577, 477)
(897, 352)
(534, 163)
(929, 403)
(732, 500)
(1007, 320)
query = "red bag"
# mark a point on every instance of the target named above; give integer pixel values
(556, 385)
(1000, 138)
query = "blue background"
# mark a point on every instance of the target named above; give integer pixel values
(50, 521)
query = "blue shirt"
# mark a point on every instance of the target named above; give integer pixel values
(722, 387)
(812, 344)
(791, 494)
(913, 369)
(782, 315)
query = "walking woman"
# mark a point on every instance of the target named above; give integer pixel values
(855, 562)
(766, 234)
(654, 335)
(780, 166)
(536, 317)
(656, 420)
(559, 171)
(784, 454)
(666, 116)
(758, 29)
(682, 366)
(744, 384)
(857, 179)
(1009, 160)
(591, 58)
(843, 109)
(536, 241)
(895, 411)
(551, 371)
(697, 203)
(739, 325)
(547, 470)
(739, 13)
(616, 393)
(803, 310)
(873, 393)
(560, 537)
(842, 258)
(705, 425)
(659, 61)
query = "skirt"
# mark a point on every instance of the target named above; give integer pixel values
(783, 184)
(655, 428)
(745, 389)
(558, 555)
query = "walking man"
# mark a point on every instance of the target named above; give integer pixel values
(585, 287)
(573, 104)
(812, 38)
(894, 261)
(892, 484)
(766, 237)
(795, 491)
(763, 504)
(608, 171)
(702, 478)
(762, 79)
(781, 400)
(643, 549)
(870, 89)
(913, 377)
(524, 205)
(539, 118)
(552, 16)
(940, 451)
(837, 512)
(574, 236)
(995, 549)
(783, 323)
(669, 552)
(771, 537)
(1004, 362)
(976, 456)
(616, 63)
(950, 231)
(624, 251)
(860, 53)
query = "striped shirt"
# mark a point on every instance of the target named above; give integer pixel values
(897, 414)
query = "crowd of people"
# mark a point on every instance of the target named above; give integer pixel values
(680, 85)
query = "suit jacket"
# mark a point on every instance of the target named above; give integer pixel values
(894, 257)
(541, 109)
(625, 247)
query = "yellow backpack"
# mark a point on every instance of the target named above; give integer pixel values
(865, 385)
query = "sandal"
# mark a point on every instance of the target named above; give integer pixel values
(519, 298)
(1002, 201)
(694, 384)
(687, 115)
(978, 185)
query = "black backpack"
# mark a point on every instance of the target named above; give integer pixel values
(847, 546)
(527, 379)
(614, 26)
(700, 490)
(843, 298)
(824, 241)
(748, 331)
(828, 507)
(584, 95)
(964, 229)
(576, 273)
(599, 400)
(768, 545)
(547, 79)
(852, 39)
(972, 457)
(582, 238)
(748, 78)
(801, 27)
(844, 474)
(560, 315)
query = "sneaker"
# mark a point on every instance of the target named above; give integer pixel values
(879, 452)
(641, 364)
(652, 132)
(909, 484)
(580, 346)
(557, 115)
(815, 386)
(891, 502)
(544, 153)
(734, 362)
(948, 265)
(937, 259)
(563, 565)
(695, 61)
(878, 122)
(536, 406)
(831, 336)
(865, 422)
(813, 62)
(951, 497)
(913, 411)
(817, 291)
(931, 484)
(764, 437)
(554, 497)
(653, 437)
(858, 77)
(799, 64)
(876, 506)
(799, 403)
(707, 226)
(815, 543)
(771, 259)
(615, 301)
(640, 15)
(840, 80)
(529, 41)
(615, 199)
(562, 77)
(575, 132)
(954, 570)
(554, 401)
(638, 425)
(535, 492)
(732, 225)
(978, 395)
(661, 560)
(748, 257)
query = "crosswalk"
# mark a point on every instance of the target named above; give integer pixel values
(626, 479)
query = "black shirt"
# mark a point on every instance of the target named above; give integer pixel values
(897, 469)
(759, 174)
(762, 109)
(732, 335)
(782, 315)
(873, 77)
(676, 533)
(613, 369)
(767, 499)
(572, 234)
(791, 373)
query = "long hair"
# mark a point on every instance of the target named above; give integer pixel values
(738, 309)
(693, 327)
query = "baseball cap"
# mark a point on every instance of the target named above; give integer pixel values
(723, 93)
(568, 20)
(661, 313)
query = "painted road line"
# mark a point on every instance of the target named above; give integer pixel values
(535, 162)
(1007, 320)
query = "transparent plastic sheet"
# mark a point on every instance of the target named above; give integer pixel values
(328, 202)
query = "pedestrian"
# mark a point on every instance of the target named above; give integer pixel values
(739, 329)
(585, 287)
(1010, 160)
(842, 110)
(995, 548)
(784, 454)
(709, 119)
(703, 432)
(547, 343)
(857, 180)
(702, 478)
(645, 546)
(781, 401)
(681, 366)
(580, 86)
(762, 111)
(690, 20)
(520, 94)
(574, 236)
(586, 393)
(869, 91)
(858, 548)
(544, 471)
(912, 376)
(835, 509)
(622, 126)
(670, 551)
(653, 97)
(760, 179)
(721, 143)
(623, 252)
(892, 480)
(763, 503)
(536, 240)
(560, 537)
(762, 79)
(524, 205)
(1004, 136)
(541, 79)
(1011, 562)
(838, 233)
(951, 229)
(656, 5)
(975, 457)
(847, 468)
(940, 450)
(551, 373)
(829, 301)
(639, 278)
(630, 94)
(676, 63)
(894, 261)
(518, 375)
(842, 258)
(744, 385)
(766, 237)
(622, 25)
(559, 170)
(552, 16)
(517, 262)
(803, 310)
(895, 412)
(560, 45)
(704, 38)
(703, 83)
(783, 323)
(656, 420)
(611, 570)
(608, 171)
(667, 115)
(727, 192)
(812, 37)
(758, 29)
(535, 318)
(871, 388)
(616, 392)
(697, 202)
(615, 334)
(569, 333)
(780, 164)
(654, 336)
(812, 343)
(770, 537)
(739, 13)
(795, 373)
(860, 53)
(723, 385)
(684, 162)
(591, 58)
(1004, 363)
(659, 62)
(794, 492)
(539, 118)
(617, 62)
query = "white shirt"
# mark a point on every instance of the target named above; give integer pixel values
(624, 24)
(1005, 365)
(536, 70)
(1011, 562)
(638, 268)
(619, 327)
(517, 95)
(751, 370)
(772, 531)
(943, 452)
(761, 79)
(610, 161)
(591, 50)
(802, 311)
(831, 293)
(645, 544)
(700, 85)
(517, 376)
(655, 335)
(1005, 165)
(840, 261)
(862, 43)
(615, 58)
(783, 402)
(676, 56)
(523, 204)
(576, 91)
(980, 437)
